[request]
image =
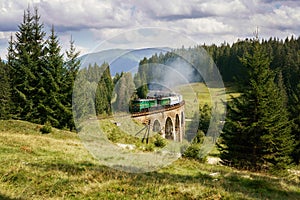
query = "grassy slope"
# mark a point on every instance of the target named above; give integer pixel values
(56, 166)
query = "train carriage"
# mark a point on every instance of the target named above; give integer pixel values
(140, 105)
(163, 101)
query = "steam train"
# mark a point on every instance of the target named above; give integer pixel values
(155, 102)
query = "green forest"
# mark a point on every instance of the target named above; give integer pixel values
(262, 128)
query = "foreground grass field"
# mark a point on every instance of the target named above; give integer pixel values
(57, 166)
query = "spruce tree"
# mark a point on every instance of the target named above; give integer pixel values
(50, 83)
(21, 63)
(141, 79)
(5, 91)
(33, 113)
(124, 90)
(71, 66)
(26, 61)
(106, 76)
(104, 91)
(83, 97)
(295, 109)
(257, 132)
(10, 52)
(204, 118)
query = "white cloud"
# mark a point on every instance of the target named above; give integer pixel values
(150, 37)
(92, 21)
(204, 26)
(68, 15)
(224, 8)
(282, 18)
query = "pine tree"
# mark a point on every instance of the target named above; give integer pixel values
(84, 96)
(141, 79)
(72, 66)
(19, 61)
(10, 52)
(37, 44)
(50, 104)
(295, 109)
(26, 61)
(124, 90)
(106, 76)
(104, 91)
(5, 91)
(257, 132)
(204, 118)
(6, 82)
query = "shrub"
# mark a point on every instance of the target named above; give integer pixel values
(194, 152)
(46, 128)
(149, 147)
(159, 141)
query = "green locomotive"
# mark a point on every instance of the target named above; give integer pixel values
(144, 105)
(141, 105)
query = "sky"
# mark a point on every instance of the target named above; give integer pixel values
(127, 23)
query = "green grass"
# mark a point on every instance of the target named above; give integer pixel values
(197, 94)
(57, 166)
(128, 134)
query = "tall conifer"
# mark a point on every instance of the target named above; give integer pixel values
(104, 91)
(71, 66)
(50, 84)
(257, 132)
(5, 91)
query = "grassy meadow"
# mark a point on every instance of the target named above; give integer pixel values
(57, 166)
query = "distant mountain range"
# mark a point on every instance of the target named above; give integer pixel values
(120, 60)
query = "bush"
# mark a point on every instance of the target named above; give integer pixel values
(149, 147)
(194, 152)
(46, 128)
(159, 141)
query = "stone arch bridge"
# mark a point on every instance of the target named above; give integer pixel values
(169, 122)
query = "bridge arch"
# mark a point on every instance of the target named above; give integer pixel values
(169, 129)
(156, 126)
(177, 127)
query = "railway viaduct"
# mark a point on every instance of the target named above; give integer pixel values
(169, 122)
